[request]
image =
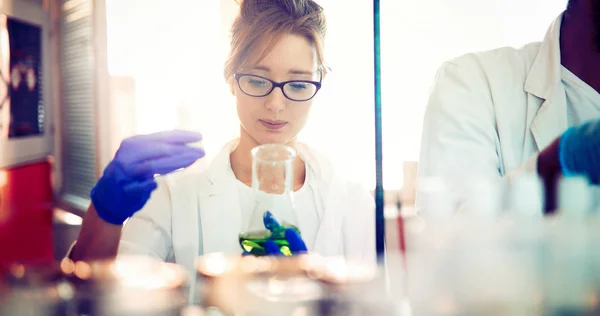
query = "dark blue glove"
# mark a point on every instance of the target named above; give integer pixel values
(295, 243)
(579, 151)
(128, 180)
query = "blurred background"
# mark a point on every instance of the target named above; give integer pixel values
(103, 70)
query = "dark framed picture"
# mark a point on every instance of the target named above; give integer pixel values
(21, 77)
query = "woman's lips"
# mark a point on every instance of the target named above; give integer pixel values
(273, 125)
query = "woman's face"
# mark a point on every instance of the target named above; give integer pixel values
(274, 118)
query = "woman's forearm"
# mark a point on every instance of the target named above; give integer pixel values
(97, 239)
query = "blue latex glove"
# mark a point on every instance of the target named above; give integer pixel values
(128, 180)
(295, 242)
(579, 151)
(297, 245)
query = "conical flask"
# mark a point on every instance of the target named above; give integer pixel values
(273, 191)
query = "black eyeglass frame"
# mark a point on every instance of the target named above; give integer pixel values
(275, 84)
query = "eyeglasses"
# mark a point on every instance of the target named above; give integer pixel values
(295, 90)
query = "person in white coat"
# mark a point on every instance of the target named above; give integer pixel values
(274, 70)
(499, 113)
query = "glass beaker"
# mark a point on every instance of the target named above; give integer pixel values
(273, 191)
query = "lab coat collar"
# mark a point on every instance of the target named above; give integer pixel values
(544, 82)
(220, 166)
(220, 195)
(544, 74)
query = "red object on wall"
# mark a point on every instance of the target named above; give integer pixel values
(26, 214)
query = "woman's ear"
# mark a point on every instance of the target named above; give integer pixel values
(231, 83)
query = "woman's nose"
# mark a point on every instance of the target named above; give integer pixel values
(275, 100)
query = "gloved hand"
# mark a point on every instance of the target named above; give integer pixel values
(128, 180)
(296, 244)
(579, 151)
(293, 244)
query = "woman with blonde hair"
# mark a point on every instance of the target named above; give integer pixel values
(274, 70)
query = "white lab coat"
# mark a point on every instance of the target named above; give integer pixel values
(197, 211)
(491, 113)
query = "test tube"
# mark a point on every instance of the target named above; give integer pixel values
(570, 270)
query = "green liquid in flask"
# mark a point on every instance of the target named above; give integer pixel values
(254, 242)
